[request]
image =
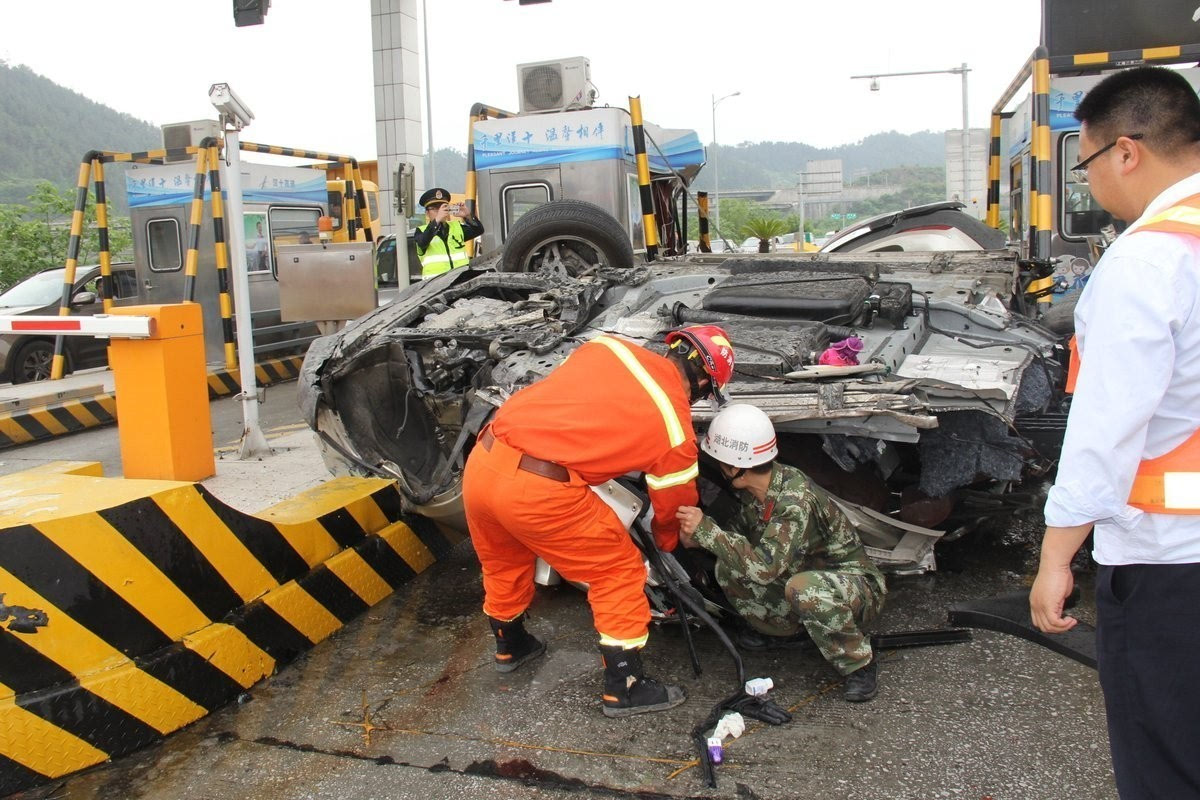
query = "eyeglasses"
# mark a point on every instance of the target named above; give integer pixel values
(1080, 170)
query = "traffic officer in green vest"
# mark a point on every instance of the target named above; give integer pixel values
(441, 241)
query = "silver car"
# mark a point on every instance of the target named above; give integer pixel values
(27, 357)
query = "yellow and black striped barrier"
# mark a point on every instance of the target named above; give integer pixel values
(479, 112)
(131, 608)
(702, 212)
(649, 220)
(47, 420)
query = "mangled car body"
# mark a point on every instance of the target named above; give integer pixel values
(954, 403)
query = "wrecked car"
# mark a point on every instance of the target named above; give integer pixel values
(953, 406)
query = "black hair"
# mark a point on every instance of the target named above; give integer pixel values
(1156, 102)
(760, 469)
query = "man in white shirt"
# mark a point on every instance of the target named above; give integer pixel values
(1130, 465)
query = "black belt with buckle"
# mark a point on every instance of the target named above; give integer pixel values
(547, 469)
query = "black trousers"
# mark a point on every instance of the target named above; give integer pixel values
(1148, 648)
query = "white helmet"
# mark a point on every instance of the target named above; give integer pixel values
(741, 435)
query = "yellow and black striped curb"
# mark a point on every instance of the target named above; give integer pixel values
(131, 608)
(48, 420)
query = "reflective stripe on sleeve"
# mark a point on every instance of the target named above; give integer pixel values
(675, 433)
(674, 479)
(1181, 490)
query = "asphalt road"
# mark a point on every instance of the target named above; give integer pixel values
(403, 702)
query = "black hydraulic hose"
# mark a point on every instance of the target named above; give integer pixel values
(753, 707)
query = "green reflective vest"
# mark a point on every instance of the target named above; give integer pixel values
(436, 259)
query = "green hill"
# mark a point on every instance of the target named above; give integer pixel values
(774, 165)
(45, 130)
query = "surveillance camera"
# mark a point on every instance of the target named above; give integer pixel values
(229, 105)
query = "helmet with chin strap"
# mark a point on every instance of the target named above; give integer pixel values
(703, 350)
(741, 435)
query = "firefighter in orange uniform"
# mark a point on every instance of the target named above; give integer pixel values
(609, 409)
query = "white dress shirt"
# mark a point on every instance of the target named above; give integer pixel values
(1138, 391)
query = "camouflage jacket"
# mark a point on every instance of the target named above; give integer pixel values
(798, 528)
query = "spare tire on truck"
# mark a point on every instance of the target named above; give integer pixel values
(572, 235)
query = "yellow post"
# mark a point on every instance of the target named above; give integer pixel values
(163, 418)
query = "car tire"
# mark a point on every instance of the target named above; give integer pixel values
(1060, 317)
(573, 234)
(32, 361)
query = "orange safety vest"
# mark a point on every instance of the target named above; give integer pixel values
(1169, 484)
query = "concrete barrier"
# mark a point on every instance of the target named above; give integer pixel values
(131, 608)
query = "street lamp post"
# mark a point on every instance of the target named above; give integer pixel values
(716, 169)
(966, 131)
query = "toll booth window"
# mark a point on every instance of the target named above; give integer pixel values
(292, 226)
(372, 206)
(1016, 199)
(520, 198)
(1079, 213)
(166, 253)
(335, 209)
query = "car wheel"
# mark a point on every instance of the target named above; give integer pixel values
(32, 361)
(567, 235)
(1060, 317)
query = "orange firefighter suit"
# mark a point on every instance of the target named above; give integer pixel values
(609, 409)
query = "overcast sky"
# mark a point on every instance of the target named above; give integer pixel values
(306, 73)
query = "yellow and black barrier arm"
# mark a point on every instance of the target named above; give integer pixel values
(192, 259)
(649, 221)
(479, 112)
(993, 211)
(702, 213)
(352, 171)
(224, 298)
(58, 363)
(1041, 192)
(107, 290)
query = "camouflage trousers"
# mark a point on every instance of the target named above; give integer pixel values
(833, 607)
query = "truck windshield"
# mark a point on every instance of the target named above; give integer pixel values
(1081, 215)
(40, 290)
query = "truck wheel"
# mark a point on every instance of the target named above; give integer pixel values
(569, 235)
(32, 361)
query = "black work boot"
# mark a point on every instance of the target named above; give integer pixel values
(627, 691)
(514, 644)
(863, 684)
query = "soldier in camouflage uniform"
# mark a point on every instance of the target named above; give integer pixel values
(792, 561)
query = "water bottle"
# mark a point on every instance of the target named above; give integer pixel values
(716, 749)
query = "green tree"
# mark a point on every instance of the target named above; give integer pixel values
(764, 229)
(35, 236)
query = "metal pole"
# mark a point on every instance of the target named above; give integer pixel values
(716, 204)
(428, 100)
(254, 443)
(800, 189)
(966, 143)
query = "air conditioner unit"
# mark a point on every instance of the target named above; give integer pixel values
(560, 85)
(179, 135)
